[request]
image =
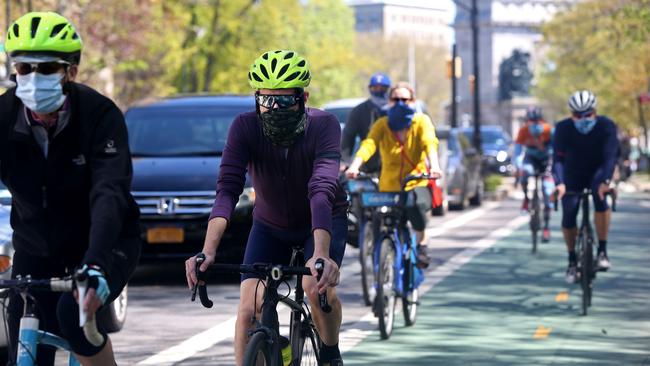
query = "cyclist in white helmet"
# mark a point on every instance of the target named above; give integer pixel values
(584, 156)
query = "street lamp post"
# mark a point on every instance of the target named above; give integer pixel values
(476, 95)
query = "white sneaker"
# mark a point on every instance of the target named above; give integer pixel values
(571, 274)
(602, 262)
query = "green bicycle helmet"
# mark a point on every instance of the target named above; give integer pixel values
(44, 33)
(279, 70)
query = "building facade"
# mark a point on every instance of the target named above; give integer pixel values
(504, 26)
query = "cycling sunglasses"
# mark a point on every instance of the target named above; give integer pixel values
(405, 100)
(282, 100)
(583, 114)
(45, 68)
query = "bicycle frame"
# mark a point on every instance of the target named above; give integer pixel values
(29, 337)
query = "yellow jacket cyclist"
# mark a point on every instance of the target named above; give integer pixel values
(407, 145)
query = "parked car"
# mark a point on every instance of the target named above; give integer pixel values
(176, 145)
(113, 316)
(461, 164)
(497, 149)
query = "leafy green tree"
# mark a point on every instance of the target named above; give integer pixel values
(601, 45)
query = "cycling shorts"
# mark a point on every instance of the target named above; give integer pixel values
(267, 244)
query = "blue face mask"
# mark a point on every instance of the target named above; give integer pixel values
(400, 116)
(379, 98)
(535, 129)
(585, 125)
(40, 93)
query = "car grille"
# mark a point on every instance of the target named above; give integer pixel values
(175, 203)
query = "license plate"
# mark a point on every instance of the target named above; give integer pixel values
(162, 235)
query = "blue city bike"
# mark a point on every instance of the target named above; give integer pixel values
(29, 335)
(360, 228)
(394, 258)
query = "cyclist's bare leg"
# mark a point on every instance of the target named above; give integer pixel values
(328, 325)
(245, 313)
(602, 220)
(419, 237)
(103, 358)
(570, 238)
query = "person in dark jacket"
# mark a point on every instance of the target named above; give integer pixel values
(64, 158)
(292, 153)
(362, 117)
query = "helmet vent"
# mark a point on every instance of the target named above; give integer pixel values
(75, 35)
(306, 76)
(292, 76)
(288, 55)
(257, 78)
(274, 63)
(16, 30)
(301, 63)
(264, 72)
(265, 56)
(283, 70)
(35, 22)
(56, 29)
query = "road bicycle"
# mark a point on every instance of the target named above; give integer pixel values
(587, 267)
(264, 345)
(535, 213)
(360, 220)
(29, 335)
(394, 258)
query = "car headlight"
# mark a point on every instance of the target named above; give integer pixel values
(502, 156)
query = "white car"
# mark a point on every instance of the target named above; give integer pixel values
(113, 317)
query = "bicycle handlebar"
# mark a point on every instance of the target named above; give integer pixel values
(65, 284)
(276, 272)
(423, 176)
(612, 193)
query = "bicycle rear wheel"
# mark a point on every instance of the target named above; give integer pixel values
(385, 299)
(258, 351)
(366, 250)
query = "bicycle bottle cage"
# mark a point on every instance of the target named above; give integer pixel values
(379, 199)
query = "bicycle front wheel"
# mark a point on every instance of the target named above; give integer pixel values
(366, 250)
(258, 351)
(535, 222)
(308, 346)
(385, 299)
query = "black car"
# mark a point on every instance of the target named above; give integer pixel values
(177, 145)
(461, 163)
(497, 149)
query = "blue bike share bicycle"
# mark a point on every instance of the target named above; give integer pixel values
(29, 336)
(360, 230)
(394, 257)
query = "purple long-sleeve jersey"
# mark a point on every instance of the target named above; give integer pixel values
(295, 187)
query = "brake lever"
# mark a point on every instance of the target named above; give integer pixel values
(203, 292)
(322, 298)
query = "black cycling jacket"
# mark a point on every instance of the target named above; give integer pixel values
(358, 124)
(74, 206)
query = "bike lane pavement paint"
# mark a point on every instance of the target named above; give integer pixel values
(508, 307)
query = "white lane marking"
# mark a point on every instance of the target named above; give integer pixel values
(226, 330)
(460, 220)
(351, 337)
(193, 345)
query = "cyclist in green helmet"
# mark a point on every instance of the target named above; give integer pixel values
(64, 158)
(292, 153)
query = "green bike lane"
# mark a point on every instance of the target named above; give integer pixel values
(509, 307)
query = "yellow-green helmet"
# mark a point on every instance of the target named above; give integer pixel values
(43, 33)
(279, 70)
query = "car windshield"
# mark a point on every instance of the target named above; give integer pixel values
(185, 132)
(490, 137)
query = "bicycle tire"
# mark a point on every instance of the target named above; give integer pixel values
(534, 222)
(308, 346)
(410, 297)
(583, 270)
(589, 260)
(258, 350)
(366, 250)
(385, 299)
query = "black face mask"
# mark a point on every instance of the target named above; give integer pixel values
(283, 126)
